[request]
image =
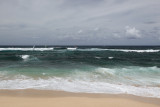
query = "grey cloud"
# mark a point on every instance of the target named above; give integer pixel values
(70, 21)
(150, 22)
(82, 2)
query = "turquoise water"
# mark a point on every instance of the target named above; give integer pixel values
(115, 70)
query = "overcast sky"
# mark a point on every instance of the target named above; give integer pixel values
(79, 22)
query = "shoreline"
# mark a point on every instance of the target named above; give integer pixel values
(39, 98)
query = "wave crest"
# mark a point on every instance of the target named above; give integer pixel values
(26, 49)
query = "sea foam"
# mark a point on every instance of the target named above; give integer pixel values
(65, 84)
(99, 80)
(25, 57)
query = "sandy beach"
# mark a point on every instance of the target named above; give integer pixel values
(40, 98)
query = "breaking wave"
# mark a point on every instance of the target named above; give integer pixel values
(26, 49)
(79, 49)
(99, 80)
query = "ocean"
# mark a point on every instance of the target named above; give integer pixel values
(88, 69)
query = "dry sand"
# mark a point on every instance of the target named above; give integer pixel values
(39, 98)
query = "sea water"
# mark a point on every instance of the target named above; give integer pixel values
(97, 69)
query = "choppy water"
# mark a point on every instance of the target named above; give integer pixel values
(115, 70)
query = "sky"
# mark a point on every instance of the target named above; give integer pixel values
(79, 22)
